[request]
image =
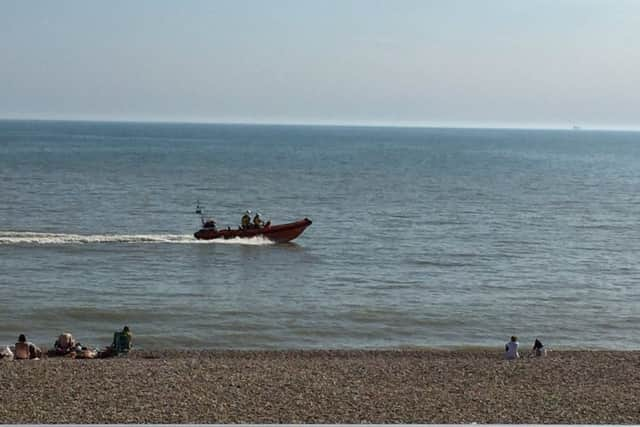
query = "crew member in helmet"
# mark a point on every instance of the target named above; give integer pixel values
(246, 220)
(257, 221)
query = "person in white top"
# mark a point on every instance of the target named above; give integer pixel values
(511, 349)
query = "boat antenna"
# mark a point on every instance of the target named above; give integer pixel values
(200, 211)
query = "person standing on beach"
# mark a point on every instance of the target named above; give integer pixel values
(511, 349)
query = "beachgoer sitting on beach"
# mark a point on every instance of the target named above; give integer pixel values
(257, 221)
(127, 332)
(122, 341)
(538, 348)
(511, 349)
(65, 344)
(246, 220)
(121, 344)
(26, 350)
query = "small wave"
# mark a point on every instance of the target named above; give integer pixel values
(36, 238)
(606, 227)
(441, 263)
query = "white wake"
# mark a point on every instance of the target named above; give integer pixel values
(31, 238)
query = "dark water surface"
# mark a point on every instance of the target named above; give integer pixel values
(421, 237)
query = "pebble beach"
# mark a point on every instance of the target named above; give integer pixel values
(341, 386)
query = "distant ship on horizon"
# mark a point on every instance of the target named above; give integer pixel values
(575, 127)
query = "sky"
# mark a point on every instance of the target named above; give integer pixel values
(490, 63)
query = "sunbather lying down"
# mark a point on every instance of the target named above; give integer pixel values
(86, 353)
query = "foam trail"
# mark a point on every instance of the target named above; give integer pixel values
(32, 238)
(250, 241)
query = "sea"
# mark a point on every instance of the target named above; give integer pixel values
(421, 237)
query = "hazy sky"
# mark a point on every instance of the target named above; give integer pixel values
(471, 63)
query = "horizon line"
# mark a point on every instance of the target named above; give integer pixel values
(407, 125)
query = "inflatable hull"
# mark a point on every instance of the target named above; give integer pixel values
(280, 233)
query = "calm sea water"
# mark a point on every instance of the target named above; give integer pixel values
(420, 237)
